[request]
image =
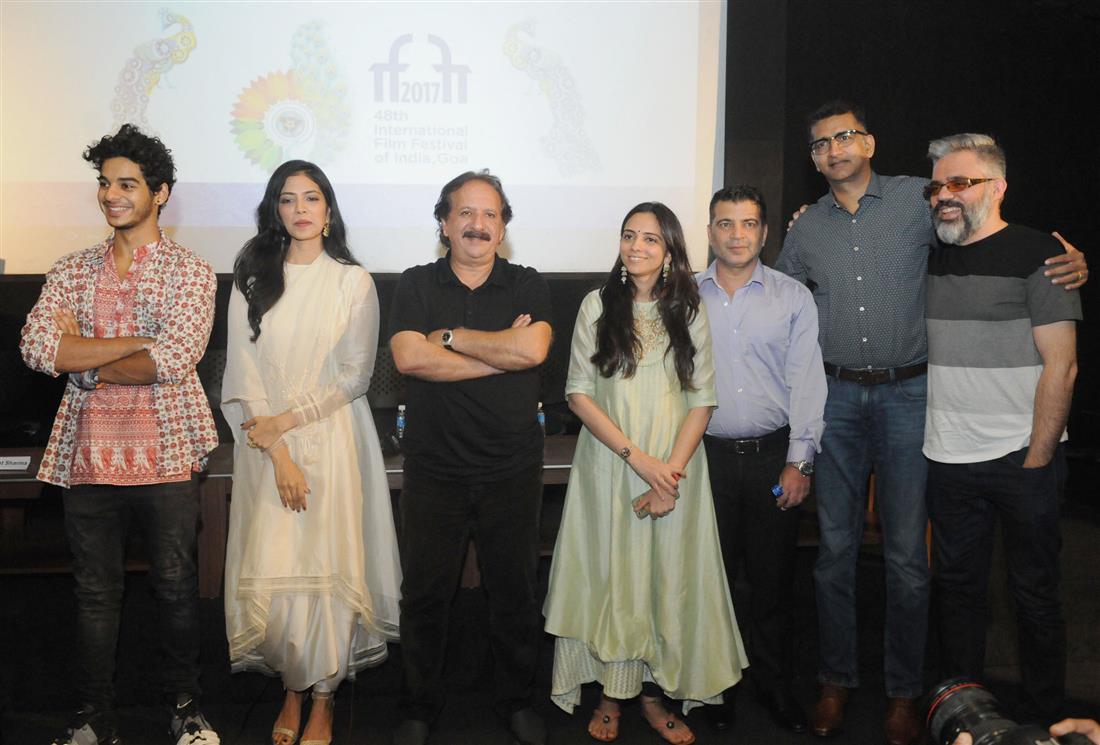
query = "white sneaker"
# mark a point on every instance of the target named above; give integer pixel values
(189, 726)
(81, 732)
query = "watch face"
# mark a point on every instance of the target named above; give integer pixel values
(446, 339)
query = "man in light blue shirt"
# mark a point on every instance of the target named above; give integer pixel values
(763, 436)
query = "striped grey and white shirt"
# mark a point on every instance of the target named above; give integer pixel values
(984, 299)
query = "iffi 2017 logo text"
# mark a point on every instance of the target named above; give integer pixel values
(391, 85)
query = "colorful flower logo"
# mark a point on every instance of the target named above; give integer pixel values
(273, 121)
(300, 113)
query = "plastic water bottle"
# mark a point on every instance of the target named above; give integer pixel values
(400, 421)
(541, 418)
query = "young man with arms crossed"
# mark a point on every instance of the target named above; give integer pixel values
(128, 320)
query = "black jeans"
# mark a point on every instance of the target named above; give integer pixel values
(438, 517)
(97, 518)
(753, 530)
(964, 499)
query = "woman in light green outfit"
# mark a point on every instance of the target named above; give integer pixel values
(638, 597)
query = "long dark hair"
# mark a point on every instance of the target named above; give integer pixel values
(258, 270)
(677, 296)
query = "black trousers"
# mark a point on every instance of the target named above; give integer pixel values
(756, 533)
(438, 518)
(97, 518)
(964, 500)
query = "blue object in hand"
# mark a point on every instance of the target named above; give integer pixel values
(777, 490)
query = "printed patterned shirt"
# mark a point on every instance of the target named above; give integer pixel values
(116, 431)
(171, 301)
(867, 271)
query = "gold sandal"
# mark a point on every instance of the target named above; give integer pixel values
(325, 698)
(284, 736)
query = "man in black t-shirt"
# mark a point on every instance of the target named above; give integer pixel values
(470, 331)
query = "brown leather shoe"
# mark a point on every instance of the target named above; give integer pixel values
(829, 711)
(902, 723)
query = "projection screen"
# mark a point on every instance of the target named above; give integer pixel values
(582, 109)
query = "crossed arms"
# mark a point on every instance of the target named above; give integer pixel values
(55, 342)
(124, 360)
(473, 354)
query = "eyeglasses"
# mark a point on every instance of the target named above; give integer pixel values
(955, 184)
(844, 139)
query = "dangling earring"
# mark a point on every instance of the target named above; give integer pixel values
(325, 230)
(664, 272)
(622, 273)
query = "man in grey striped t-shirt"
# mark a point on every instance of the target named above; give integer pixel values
(1002, 361)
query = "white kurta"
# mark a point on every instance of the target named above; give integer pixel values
(313, 595)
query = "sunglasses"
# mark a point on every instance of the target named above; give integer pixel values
(954, 185)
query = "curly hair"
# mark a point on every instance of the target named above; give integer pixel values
(443, 205)
(258, 268)
(617, 342)
(151, 155)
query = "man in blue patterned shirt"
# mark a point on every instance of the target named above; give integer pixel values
(863, 251)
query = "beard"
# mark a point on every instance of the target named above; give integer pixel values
(971, 217)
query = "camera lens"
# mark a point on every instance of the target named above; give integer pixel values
(961, 705)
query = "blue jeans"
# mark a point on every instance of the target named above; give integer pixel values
(879, 426)
(964, 500)
(97, 518)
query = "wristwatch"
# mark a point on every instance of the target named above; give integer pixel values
(624, 452)
(805, 467)
(87, 380)
(447, 338)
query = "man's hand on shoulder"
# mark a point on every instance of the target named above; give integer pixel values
(1068, 269)
(796, 214)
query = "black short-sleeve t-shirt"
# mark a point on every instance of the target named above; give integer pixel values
(483, 429)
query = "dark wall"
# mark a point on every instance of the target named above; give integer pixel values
(1025, 72)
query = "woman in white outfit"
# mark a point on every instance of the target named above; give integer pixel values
(312, 574)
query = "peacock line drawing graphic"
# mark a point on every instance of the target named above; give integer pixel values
(150, 63)
(566, 143)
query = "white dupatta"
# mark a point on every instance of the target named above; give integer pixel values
(304, 590)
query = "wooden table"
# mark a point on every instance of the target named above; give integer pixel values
(215, 488)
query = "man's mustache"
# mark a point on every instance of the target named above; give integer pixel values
(946, 204)
(480, 235)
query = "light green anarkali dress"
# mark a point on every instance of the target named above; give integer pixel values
(640, 600)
